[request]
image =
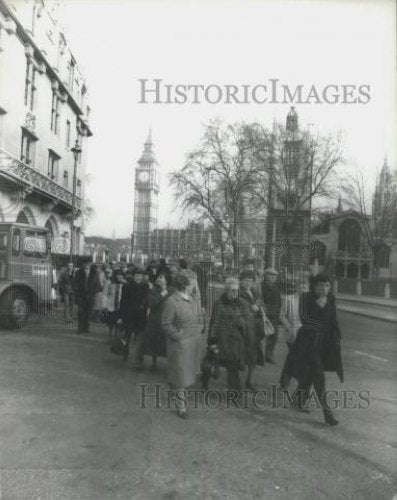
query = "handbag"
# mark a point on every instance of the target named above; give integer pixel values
(210, 363)
(268, 327)
(118, 345)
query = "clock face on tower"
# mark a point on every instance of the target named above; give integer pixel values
(143, 176)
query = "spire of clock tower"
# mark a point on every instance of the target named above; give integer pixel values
(148, 156)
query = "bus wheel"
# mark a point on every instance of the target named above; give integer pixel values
(15, 307)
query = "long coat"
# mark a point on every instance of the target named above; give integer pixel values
(134, 304)
(184, 340)
(82, 286)
(155, 342)
(319, 335)
(271, 297)
(232, 328)
(66, 283)
(255, 352)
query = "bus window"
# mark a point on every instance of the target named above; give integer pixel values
(3, 240)
(16, 242)
(35, 244)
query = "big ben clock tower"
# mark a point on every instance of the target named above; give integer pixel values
(146, 199)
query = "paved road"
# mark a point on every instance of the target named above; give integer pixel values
(71, 427)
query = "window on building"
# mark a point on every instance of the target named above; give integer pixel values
(68, 133)
(53, 165)
(349, 236)
(78, 187)
(66, 179)
(16, 242)
(55, 112)
(71, 68)
(382, 256)
(28, 142)
(30, 87)
(80, 141)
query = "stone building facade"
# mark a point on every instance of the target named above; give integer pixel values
(43, 111)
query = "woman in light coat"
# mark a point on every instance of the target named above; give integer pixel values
(182, 329)
(290, 324)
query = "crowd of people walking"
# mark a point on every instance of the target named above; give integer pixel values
(161, 308)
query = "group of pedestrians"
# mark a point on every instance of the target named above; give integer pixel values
(306, 316)
(161, 307)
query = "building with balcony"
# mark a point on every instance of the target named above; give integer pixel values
(43, 111)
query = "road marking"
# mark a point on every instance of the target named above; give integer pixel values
(372, 356)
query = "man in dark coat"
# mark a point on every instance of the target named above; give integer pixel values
(152, 271)
(133, 306)
(317, 346)
(83, 297)
(164, 269)
(66, 290)
(271, 297)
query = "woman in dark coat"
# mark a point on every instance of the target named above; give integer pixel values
(133, 306)
(153, 340)
(317, 346)
(254, 348)
(232, 329)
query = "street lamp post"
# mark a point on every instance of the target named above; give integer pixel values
(76, 150)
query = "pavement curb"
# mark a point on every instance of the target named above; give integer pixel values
(366, 314)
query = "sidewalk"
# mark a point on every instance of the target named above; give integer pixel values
(380, 301)
(370, 307)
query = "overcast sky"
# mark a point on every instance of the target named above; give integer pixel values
(191, 42)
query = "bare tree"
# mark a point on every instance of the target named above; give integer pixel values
(379, 226)
(302, 167)
(240, 170)
(216, 179)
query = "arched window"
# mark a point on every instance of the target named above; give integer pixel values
(21, 218)
(382, 256)
(318, 252)
(352, 270)
(349, 236)
(340, 270)
(364, 271)
(48, 225)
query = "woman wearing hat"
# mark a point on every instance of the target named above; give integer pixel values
(254, 351)
(271, 297)
(180, 322)
(290, 324)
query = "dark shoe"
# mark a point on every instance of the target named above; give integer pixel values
(182, 412)
(204, 381)
(330, 419)
(250, 387)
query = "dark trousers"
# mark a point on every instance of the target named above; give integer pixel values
(233, 376)
(83, 315)
(271, 342)
(315, 376)
(285, 377)
(128, 331)
(68, 302)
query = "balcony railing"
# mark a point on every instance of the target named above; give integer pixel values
(364, 254)
(30, 177)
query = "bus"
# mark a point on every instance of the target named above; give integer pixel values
(26, 272)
